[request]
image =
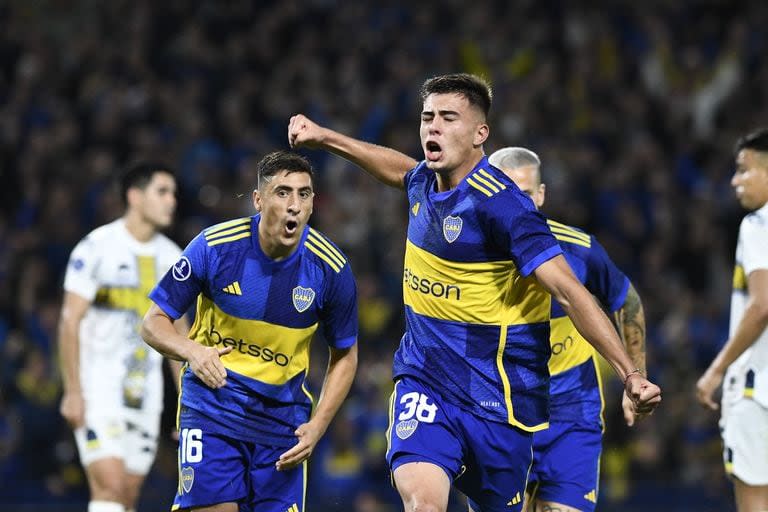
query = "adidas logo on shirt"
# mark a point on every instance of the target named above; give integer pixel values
(233, 288)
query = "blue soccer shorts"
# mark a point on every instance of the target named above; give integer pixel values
(486, 460)
(566, 464)
(215, 468)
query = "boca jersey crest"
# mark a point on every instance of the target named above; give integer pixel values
(452, 228)
(303, 298)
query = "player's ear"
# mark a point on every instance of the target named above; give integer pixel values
(481, 134)
(133, 196)
(257, 200)
(542, 195)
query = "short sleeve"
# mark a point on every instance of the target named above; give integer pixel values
(180, 286)
(521, 230)
(604, 279)
(81, 276)
(339, 312)
(754, 243)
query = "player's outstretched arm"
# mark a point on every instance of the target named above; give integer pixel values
(630, 319)
(385, 164)
(342, 365)
(752, 325)
(558, 278)
(159, 332)
(73, 310)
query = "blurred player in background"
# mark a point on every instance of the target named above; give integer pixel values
(262, 285)
(471, 379)
(742, 364)
(566, 457)
(113, 389)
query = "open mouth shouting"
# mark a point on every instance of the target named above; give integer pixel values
(432, 151)
(290, 228)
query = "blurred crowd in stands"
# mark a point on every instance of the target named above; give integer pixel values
(633, 107)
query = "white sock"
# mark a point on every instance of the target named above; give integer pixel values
(105, 506)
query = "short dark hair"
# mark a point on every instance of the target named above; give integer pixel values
(756, 140)
(139, 175)
(278, 161)
(477, 91)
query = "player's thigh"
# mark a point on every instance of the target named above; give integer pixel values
(745, 442)
(497, 464)
(566, 467)
(423, 486)
(272, 490)
(213, 469)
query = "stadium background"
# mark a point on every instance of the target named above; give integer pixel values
(634, 111)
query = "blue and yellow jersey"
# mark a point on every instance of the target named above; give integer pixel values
(477, 321)
(576, 390)
(267, 311)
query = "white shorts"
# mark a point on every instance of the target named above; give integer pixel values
(744, 428)
(127, 434)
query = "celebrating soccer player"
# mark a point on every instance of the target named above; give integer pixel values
(471, 378)
(262, 285)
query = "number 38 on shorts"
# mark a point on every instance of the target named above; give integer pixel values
(418, 405)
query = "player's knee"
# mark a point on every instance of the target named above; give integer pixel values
(425, 507)
(417, 503)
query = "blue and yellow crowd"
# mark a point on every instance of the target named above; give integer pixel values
(633, 110)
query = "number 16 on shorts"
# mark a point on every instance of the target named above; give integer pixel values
(191, 445)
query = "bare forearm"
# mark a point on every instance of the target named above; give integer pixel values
(160, 333)
(633, 328)
(338, 380)
(751, 326)
(69, 355)
(594, 325)
(182, 327)
(386, 165)
(558, 278)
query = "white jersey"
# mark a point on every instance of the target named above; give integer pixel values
(116, 272)
(748, 375)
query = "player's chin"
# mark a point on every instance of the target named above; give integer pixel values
(435, 165)
(164, 221)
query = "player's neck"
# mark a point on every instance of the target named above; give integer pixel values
(451, 179)
(139, 228)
